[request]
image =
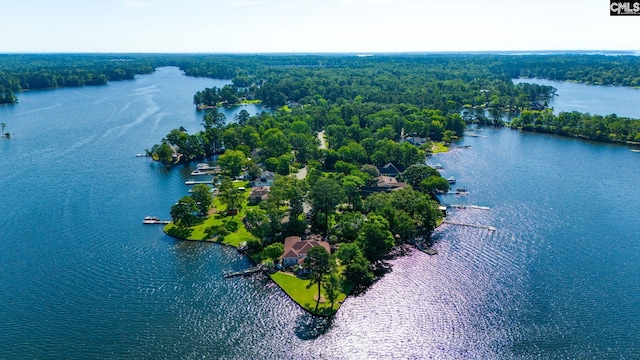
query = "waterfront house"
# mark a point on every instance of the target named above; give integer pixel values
(295, 249)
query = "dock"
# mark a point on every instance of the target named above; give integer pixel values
(490, 228)
(155, 221)
(245, 272)
(463, 206)
(193, 182)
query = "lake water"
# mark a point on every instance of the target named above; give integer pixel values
(593, 99)
(81, 277)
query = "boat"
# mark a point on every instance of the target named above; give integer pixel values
(451, 180)
(154, 220)
(205, 169)
(636, 150)
(438, 166)
(140, 155)
(150, 219)
(203, 166)
(197, 172)
(461, 191)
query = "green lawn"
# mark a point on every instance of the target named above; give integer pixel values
(297, 289)
(439, 147)
(233, 239)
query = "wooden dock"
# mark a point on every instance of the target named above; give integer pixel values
(490, 228)
(245, 272)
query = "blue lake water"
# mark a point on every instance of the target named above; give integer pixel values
(593, 99)
(81, 277)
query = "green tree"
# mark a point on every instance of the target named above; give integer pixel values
(232, 162)
(319, 264)
(375, 238)
(183, 212)
(414, 174)
(275, 143)
(290, 191)
(284, 164)
(230, 195)
(201, 194)
(257, 222)
(433, 184)
(357, 269)
(324, 196)
(332, 285)
(351, 186)
(273, 251)
(242, 117)
(271, 164)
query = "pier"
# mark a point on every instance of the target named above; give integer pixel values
(463, 206)
(490, 228)
(193, 182)
(245, 272)
(154, 220)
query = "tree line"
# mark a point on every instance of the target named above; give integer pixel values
(610, 128)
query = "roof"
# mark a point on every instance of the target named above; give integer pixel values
(389, 182)
(294, 246)
(259, 191)
(389, 169)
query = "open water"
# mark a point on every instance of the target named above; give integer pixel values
(81, 277)
(592, 99)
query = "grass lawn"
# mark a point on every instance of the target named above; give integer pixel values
(198, 232)
(296, 288)
(439, 147)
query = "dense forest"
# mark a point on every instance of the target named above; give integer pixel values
(35, 71)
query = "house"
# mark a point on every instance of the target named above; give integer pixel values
(382, 183)
(265, 179)
(389, 170)
(258, 194)
(295, 249)
(414, 140)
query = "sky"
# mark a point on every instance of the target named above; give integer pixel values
(299, 26)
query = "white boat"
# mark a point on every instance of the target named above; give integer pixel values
(203, 166)
(451, 180)
(636, 150)
(150, 219)
(198, 172)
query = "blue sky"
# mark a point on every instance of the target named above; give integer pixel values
(248, 26)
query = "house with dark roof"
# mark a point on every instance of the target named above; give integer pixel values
(389, 170)
(295, 249)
